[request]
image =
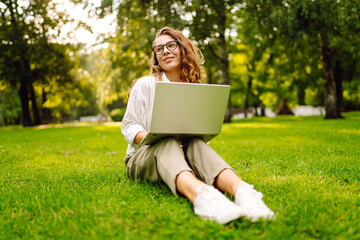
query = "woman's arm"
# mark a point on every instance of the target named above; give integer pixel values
(132, 122)
(140, 136)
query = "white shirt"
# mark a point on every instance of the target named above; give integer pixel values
(139, 110)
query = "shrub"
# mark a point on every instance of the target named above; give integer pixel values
(117, 114)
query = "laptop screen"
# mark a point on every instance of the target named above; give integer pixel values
(186, 108)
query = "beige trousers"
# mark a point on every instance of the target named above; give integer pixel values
(163, 161)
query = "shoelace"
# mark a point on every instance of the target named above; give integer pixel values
(250, 197)
(212, 198)
(256, 193)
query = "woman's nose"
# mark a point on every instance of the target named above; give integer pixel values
(166, 50)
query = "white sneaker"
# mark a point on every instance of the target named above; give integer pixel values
(248, 198)
(211, 204)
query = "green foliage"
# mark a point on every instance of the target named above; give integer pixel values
(271, 48)
(267, 50)
(10, 108)
(314, 96)
(352, 95)
(69, 182)
(313, 33)
(107, 82)
(73, 99)
(117, 114)
(129, 52)
(31, 58)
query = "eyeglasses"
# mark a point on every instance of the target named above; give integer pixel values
(159, 49)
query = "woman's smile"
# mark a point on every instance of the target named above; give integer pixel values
(168, 59)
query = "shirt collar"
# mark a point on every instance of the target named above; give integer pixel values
(164, 77)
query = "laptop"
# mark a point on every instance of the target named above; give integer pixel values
(187, 110)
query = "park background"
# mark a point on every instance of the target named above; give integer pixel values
(53, 70)
(62, 60)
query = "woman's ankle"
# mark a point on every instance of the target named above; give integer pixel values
(188, 185)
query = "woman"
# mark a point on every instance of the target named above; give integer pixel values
(180, 165)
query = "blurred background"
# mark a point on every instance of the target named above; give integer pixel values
(74, 60)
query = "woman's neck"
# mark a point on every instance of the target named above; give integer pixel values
(173, 76)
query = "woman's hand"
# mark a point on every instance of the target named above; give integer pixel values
(140, 136)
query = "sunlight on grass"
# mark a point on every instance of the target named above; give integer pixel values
(351, 131)
(69, 181)
(79, 124)
(254, 125)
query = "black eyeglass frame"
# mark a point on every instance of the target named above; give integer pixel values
(165, 45)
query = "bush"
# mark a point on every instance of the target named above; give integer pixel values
(117, 114)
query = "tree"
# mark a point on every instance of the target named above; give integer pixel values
(65, 85)
(210, 25)
(10, 109)
(328, 22)
(26, 50)
(129, 51)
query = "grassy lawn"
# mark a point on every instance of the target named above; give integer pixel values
(69, 182)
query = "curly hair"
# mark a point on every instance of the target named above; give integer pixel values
(192, 59)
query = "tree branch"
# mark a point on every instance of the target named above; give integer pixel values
(215, 54)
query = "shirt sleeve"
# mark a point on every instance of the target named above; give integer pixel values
(132, 122)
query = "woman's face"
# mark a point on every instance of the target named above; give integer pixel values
(168, 60)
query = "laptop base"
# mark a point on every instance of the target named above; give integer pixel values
(152, 138)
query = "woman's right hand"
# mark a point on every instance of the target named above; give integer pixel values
(140, 136)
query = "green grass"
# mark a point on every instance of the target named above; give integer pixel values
(69, 182)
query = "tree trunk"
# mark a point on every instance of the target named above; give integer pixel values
(224, 62)
(209, 76)
(248, 91)
(22, 65)
(34, 107)
(46, 113)
(330, 98)
(301, 92)
(256, 105)
(26, 92)
(24, 98)
(339, 86)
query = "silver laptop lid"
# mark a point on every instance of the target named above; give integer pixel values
(185, 108)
